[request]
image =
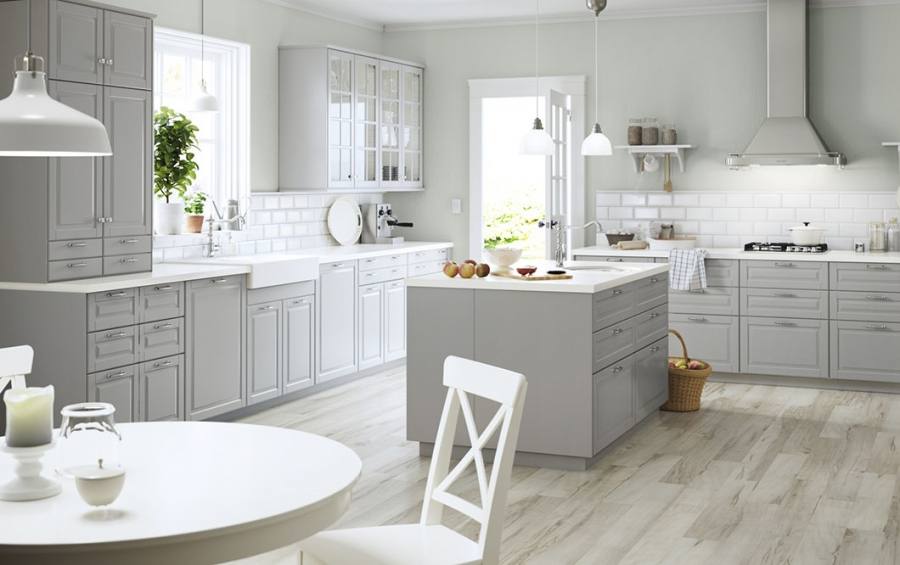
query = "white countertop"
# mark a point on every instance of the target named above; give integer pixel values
(369, 250)
(832, 256)
(583, 281)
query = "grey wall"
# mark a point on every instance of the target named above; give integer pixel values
(704, 73)
(264, 26)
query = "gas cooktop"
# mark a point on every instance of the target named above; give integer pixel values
(786, 247)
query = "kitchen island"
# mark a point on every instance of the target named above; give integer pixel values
(593, 349)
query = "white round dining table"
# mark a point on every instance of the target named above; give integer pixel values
(195, 493)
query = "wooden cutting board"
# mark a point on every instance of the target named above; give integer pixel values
(534, 277)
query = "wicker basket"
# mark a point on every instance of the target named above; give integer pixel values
(685, 385)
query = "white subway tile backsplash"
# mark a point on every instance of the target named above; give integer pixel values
(279, 217)
(795, 200)
(767, 200)
(726, 214)
(868, 215)
(659, 199)
(687, 227)
(838, 215)
(608, 198)
(852, 230)
(754, 214)
(686, 199)
(712, 228)
(727, 241)
(672, 213)
(618, 213)
(854, 200)
(824, 200)
(782, 214)
(646, 213)
(739, 200)
(712, 200)
(811, 214)
(602, 213)
(882, 201)
(634, 199)
(738, 228)
(698, 213)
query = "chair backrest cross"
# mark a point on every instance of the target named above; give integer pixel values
(15, 363)
(464, 378)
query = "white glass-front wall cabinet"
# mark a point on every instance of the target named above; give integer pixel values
(348, 121)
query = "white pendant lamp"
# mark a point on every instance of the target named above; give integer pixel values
(596, 144)
(537, 141)
(34, 125)
(204, 102)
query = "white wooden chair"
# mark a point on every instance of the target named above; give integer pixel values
(429, 542)
(15, 363)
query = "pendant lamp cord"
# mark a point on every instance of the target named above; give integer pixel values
(596, 74)
(202, 42)
(28, 28)
(537, 82)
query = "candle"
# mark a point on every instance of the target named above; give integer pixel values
(29, 416)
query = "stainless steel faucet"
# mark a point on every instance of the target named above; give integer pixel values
(558, 232)
(235, 222)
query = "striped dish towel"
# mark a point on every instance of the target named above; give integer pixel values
(687, 269)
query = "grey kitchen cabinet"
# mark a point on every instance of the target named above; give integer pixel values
(112, 348)
(299, 343)
(76, 42)
(784, 346)
(718, 301)
(714, 339)
(613, 343)
(651, 379)
(161, 389)
(865, 306)
(118, 387)
(371, 325)
(264, 350)
(160, 302)
(865, 277)
(394, 320)
(112, 309)
(336, 315)
(128, 50)
(161, 339)
(865, 351)
(214, 341)
(801, 275)
(784, 303)
(613, 402)
(612, 305)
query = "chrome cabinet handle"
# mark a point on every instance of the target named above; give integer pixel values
(617, 291)
(654, 280)
(370, 260)
(162, 363)
(119, 374)
(880, 327)
(697, 319)
(109, 61)
(76, 265)
(655, 315)
(163, 326)
(265, 308)
(116, 294)
(301, 301)
(877, 267)
(617, 331)
(161, 288)
(784, 295)
(877, 298)
(217, 281)
(780, 264)
(128, 241)
(654, 349)
(126, 260)
(698, 291)
(115, 334)
(102, 60)
(618, 369)
(785, 324)
(76, 244)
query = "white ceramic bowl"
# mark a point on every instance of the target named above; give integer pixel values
(503, 257)
(99, 486)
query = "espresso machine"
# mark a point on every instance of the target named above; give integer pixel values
(380, 223)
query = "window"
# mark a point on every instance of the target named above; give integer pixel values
(223, 156)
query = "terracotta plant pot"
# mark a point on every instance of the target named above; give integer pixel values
(194, 223)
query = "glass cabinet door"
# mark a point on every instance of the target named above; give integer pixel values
(340, 120)
(366, 122)
(390, 124)
(411, 173)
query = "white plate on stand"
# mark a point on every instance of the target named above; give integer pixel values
(345, 220)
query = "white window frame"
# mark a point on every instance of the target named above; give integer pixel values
(233, 89)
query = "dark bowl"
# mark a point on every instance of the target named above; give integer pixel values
(614, 238)
(526, 270)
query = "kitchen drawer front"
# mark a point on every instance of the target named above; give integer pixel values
(326, 267)
(124, 264)
(280, 292)
(651, 326)
(112, 348)
(613, 343)
(865, 306)
(717, 301)
(161, 339)
(614, 259)
(419, 269)
(118, 387)
(784, 346)
(613, 403)
(382, 275)
(74, 269)
(806, 275)
(112, 309)
(161, 389)
(432, 256)
(131, 245)
(651, 292)
(723, 272)
(866, 277)
(612, 305)
(865, 351)
(382, 262)
(160, 302)
(784, 303)
(714, 339)
(75, 249)
(651, 378)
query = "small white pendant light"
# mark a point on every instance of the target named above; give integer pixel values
(596, 144)
(204, 102)
(34, 125)
(537, 141)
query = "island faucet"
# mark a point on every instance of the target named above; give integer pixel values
(559, 234)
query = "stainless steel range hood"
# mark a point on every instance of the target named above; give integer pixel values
(786, 137)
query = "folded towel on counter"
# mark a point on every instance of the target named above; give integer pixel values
(687, 269)
(626, 245)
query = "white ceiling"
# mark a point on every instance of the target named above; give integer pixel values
(400, 14)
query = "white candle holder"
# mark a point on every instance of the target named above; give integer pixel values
(29, 483)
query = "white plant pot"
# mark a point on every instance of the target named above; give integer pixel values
(168, 217)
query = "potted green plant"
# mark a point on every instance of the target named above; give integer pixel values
(174, 168)
(194, 206)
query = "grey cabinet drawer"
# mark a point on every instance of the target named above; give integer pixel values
(129, 245)
(118, 387)
(865, 306)
(419, 269)
(383, 262)
(431, 256)
(714, 339)
(613, 343)
(124, 264)
(75, 249)
(613, 403)
(784, 303)
(382, 275)
(161, 389)
(112, 348)
(784, 274)
(722, 272)
(112, 309)
(74, 269)
(612, 305)
(651, 378)
(651, 326)
(161, 339)
(651, 292)
(160, 302)
(722, 301)
(875, 277)
(784, 346)
(865, 351)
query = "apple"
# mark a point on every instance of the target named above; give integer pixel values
(470, 261)
(695, 365)
(451, 269)
(467, 270)
(671, 364)
(482, 270)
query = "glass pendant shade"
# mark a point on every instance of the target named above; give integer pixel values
(205, 102)
(32, 124)
(537, 141)
(596, 144)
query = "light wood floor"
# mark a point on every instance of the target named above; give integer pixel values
(760, 475)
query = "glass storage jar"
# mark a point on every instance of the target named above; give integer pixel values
(893, 235)
(877, 236)
(87, 434)
(669, 135)
(650, 132)
(634, 131)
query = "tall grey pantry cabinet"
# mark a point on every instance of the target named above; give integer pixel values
(81, 217)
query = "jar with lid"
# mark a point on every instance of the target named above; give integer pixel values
(650, 132)
(88, 433)
(634, 131)
(669, 135)
(893, 235)
(877, 236)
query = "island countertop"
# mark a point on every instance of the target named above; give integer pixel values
(588, 278)
(830, 256)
